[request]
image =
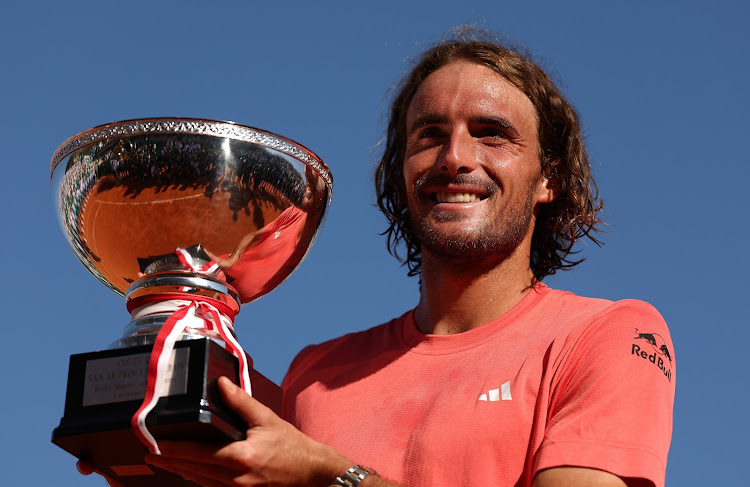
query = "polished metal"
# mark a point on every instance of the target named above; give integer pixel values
(150, 205)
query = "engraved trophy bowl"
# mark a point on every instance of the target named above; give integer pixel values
(165, 211)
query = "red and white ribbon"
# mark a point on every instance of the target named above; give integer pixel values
(187, 261)
(191, 314)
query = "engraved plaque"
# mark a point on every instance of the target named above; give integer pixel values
(120, 379)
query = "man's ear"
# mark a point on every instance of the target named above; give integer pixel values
(547, 191)
(548, 188)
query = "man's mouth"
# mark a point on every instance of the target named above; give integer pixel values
(450, 197)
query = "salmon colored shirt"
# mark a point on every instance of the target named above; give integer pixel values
(559, 380)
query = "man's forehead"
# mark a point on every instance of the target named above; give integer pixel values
(464, 86)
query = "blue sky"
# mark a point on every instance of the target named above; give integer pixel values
(661, 88)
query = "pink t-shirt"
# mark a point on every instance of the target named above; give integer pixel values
(559, 380)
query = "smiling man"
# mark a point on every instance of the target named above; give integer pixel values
(493, 378)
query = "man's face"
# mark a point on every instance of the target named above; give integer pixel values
(472, 167)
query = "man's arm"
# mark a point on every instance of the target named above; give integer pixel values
(611, 408)
(583, 477)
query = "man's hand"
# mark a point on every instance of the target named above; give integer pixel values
(274, 452)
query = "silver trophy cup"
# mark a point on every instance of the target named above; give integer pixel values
(188, 220)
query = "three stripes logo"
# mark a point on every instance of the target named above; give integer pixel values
(501, 394)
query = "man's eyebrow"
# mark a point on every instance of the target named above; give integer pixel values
(424, 120)
(433, 118)
(498, 122)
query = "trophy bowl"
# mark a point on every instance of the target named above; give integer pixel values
(179, 216)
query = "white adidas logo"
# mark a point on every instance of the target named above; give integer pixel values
(502, 394)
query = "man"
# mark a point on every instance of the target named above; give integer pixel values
(494, 378)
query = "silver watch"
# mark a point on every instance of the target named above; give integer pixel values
(353, 476)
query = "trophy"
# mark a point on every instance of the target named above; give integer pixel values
(188, 220)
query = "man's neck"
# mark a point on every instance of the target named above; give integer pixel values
(459, 296)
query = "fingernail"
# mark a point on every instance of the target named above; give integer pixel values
(230, 385)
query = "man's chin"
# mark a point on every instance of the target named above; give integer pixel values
(465, 248)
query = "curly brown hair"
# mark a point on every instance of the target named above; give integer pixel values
(574, 212)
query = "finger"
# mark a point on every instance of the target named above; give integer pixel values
(84, 468)
(250, 409)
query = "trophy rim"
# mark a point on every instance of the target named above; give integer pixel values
(193, 126)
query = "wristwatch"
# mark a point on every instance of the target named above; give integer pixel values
(353, 476)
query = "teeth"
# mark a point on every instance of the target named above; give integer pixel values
(445, 197)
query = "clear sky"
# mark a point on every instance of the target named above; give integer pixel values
(661, 88)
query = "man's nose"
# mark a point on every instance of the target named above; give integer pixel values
(458, 155)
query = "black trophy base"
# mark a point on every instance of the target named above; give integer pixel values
(106, 388)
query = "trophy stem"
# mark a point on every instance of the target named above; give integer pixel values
(152, 299)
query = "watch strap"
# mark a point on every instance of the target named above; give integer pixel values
(353, 476)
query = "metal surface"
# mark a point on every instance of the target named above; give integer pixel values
(130, 194)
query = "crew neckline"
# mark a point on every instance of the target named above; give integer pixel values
(418, 342)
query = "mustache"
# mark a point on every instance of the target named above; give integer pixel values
(441, 179)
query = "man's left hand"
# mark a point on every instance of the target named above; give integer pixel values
(274, 452)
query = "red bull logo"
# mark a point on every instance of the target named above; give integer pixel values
(653, 348)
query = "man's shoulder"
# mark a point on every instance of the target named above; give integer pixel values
(388, 330)
(582, 322)
(576, 307)
(377, 339)
(584, 315)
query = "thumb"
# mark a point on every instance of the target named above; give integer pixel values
(247, 407)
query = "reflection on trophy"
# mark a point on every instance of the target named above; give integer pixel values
(189, 220)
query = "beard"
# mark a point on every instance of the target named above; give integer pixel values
(495, 240)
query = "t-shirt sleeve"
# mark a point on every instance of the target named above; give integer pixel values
(612, 395)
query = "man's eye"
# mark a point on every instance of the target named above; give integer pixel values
(429, 132)
(492, 133)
